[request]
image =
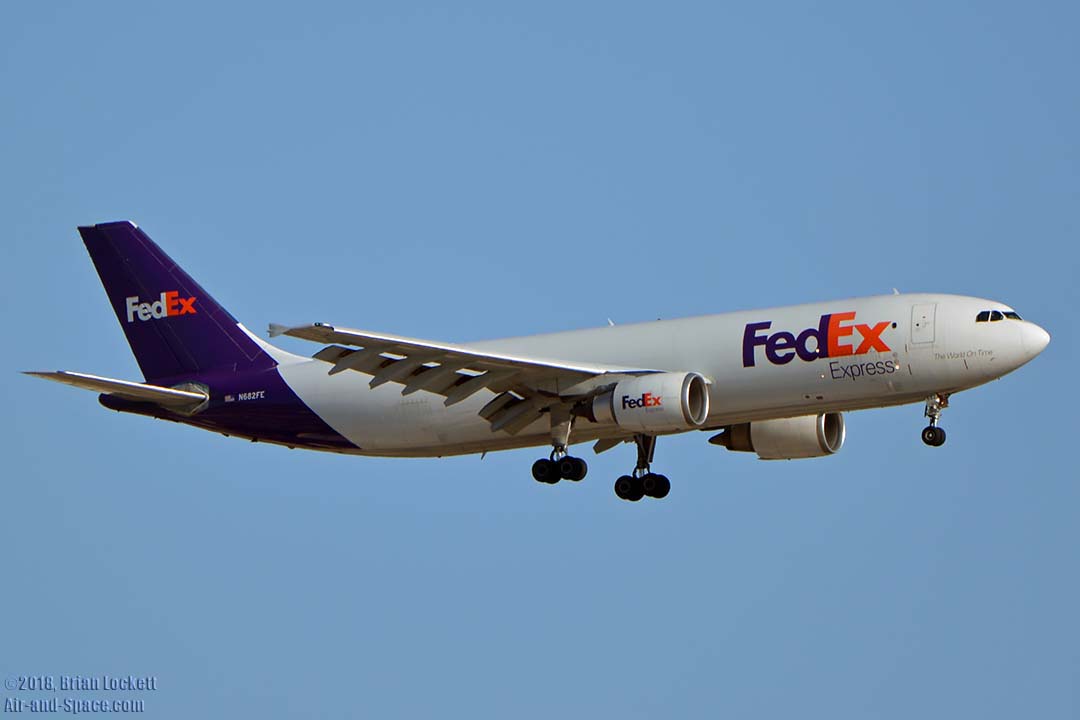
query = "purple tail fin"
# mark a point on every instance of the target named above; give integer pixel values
(174, 327)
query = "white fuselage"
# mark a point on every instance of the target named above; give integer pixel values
(884, 350)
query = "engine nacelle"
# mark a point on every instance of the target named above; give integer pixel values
(658, 402)
(786, 439)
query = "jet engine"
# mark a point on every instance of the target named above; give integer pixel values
(786, 439)
(657, 402)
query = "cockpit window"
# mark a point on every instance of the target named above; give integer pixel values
(995, 315)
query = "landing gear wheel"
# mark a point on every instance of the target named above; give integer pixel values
(572, 468)
(933, 436)
(629, 488)
(545, 471)
(656, 486)
(643, 481)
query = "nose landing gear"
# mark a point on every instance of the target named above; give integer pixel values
(933, 435)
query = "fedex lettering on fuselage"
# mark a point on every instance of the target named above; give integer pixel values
(835, 336)
(168, 304)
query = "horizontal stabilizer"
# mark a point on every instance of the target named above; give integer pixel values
(167, 397)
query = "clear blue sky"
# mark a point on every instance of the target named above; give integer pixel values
(475, 170)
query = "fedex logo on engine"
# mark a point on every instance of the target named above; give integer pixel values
(835, 336)
(647, 400)
(169, 304)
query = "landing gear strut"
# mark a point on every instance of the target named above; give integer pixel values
(933, 435)
(643, 482)
(559, 465)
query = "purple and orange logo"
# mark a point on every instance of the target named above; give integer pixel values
(647, 400)
(833, 337)
(169, 304)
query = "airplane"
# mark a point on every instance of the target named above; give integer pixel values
(774, 382)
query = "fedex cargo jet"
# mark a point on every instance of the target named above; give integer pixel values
(773, 382)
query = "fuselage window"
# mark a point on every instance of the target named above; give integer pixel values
(983, 316)
(996, 315)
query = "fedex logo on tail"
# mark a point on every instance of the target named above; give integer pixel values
(169, 304)
(835, 336)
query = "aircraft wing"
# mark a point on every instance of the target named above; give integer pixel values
(524, 387)
(167, 397)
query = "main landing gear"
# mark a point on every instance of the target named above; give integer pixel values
(933, 435)
(562, 466)
(559, 465)
(643, 482)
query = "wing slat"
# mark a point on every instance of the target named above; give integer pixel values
(481, 360)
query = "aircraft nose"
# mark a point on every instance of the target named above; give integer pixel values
(1035, 339)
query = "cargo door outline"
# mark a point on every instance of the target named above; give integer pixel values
(922, 323)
